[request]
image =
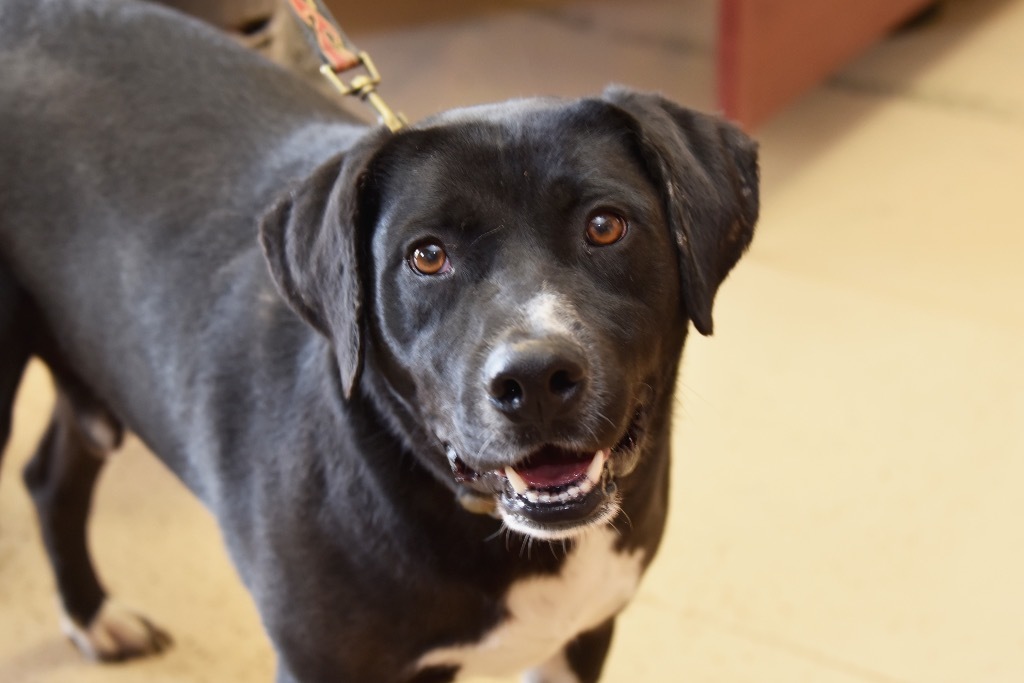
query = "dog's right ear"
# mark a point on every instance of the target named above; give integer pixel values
(311, 242)
(706, 169)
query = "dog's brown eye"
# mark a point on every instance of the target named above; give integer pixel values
(429, 259)
(605, 228)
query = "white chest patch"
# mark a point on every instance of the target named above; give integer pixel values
(546, 612)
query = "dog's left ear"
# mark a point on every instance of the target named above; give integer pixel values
(706, 169)
(311, 242)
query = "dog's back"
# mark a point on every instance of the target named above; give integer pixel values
(195, 138)
(152, 98)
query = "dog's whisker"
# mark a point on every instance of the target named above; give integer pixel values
(483, 449)
(485, 234)
(626, 517)
(606, 419)
(496, 533)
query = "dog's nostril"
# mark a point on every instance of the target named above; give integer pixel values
(562, 382)
(508, 391)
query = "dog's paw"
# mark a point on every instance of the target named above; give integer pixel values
(115, 634)
(555, 670)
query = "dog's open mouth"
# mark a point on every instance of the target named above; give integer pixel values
(554, 475)
(556, 492)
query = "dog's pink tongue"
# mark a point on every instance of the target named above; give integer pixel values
(550, 475)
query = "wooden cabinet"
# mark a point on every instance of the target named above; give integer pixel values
(771, 51)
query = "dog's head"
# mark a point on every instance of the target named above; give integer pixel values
(515, 282)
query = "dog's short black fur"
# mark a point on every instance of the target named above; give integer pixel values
(341, 412)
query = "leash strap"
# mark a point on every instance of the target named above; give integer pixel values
(338, 55)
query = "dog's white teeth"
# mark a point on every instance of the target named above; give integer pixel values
(597, 465)
(519, 484)
(580, 488)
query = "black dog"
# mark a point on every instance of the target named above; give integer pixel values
(481, 313)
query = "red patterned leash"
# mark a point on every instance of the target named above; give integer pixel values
(339, 55)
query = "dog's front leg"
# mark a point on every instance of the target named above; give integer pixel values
(580, 661)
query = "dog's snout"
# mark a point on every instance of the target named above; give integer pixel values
(537, 379)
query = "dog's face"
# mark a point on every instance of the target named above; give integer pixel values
(523, 277)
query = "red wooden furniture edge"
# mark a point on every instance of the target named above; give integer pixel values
(772, 51)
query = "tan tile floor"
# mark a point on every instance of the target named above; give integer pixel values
(850, 444)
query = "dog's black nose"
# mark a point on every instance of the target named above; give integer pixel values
(536, 379)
